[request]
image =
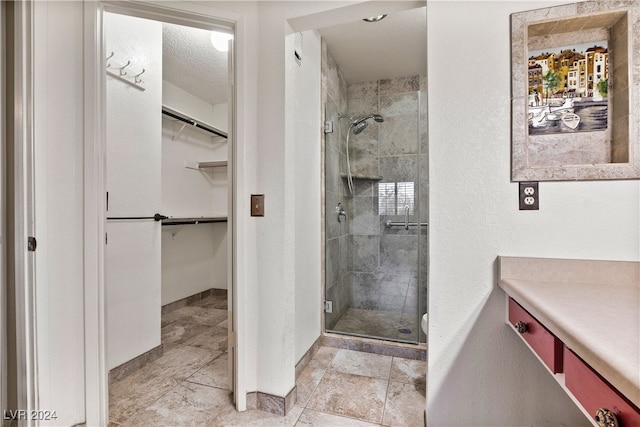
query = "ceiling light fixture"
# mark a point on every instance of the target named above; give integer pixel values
(220, 40)
(374, 18)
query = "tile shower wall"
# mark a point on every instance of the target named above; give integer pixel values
(369, 266)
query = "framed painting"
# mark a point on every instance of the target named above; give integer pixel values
(575, 74)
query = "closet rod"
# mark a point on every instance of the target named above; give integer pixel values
(155, 217)
(186, 119)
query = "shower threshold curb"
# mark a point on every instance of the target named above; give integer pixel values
(375, 346)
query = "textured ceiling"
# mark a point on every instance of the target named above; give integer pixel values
(192, 63)
(393, 47)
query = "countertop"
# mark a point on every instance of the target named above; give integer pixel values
(593, 307)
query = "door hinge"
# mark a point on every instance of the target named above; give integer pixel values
(328, 306)
(32, 243)
(106, 238)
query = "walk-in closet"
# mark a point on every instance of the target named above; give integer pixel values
(167, 252)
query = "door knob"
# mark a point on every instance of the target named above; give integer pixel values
(606, 418)
(521, 327)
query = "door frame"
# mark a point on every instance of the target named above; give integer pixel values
(19, 161)
(194, 15)
(3, 219)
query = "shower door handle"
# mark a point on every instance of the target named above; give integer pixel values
(406, 217)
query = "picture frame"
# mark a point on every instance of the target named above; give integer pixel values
(575, 75)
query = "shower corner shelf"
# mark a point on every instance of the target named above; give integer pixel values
(363, 177)
(205, 165)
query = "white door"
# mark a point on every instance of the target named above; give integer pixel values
(134, 126)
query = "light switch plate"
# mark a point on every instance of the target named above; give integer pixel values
(257, 205)
(529, 196)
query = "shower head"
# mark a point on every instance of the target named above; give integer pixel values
(377, 117)
(360, 124)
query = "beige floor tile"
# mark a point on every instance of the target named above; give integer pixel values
(307, 382)
(134, 392)
(323, 357)
(354, 396)
(187, 404)
(359, 363)
(180, 331)
(408, 371)
(405, 405)
(213, 338)
(213, 374)
(320, 419)
(195, 314)
(214, 301)
(180, 361)
(255, 417)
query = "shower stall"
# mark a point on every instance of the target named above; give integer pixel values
(376, 205)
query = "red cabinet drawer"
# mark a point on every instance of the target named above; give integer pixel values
(543, 342)
(594, 393)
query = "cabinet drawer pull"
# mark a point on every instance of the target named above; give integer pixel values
(521, 327)
(606, 418)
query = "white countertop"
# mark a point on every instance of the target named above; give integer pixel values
(595, 315)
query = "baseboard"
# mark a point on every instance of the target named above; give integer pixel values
(167, 308)
(134, 364)
(270, 403)
(304, 361)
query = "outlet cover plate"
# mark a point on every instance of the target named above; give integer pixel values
(529, 195)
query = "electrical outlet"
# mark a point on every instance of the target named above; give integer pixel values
(529, 196)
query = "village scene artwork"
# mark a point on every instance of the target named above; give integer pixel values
(569, 89)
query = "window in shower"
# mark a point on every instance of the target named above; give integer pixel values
(394, 196)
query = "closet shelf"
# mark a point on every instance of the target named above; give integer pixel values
(205, 165)
(193, 220)
(188, 120)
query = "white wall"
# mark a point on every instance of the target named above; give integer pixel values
(303, 137)
(133, 252)
(194, 257)
(479, 371)
(58, 209)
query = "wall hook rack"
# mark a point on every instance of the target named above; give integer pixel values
(123, 73)
(137, 78)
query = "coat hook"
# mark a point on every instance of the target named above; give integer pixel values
(122, 71)
(137, 78)
(108, 58)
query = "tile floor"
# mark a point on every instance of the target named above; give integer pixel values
(188, 385)
(383, 324)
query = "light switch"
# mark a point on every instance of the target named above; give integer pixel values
(257, 205)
